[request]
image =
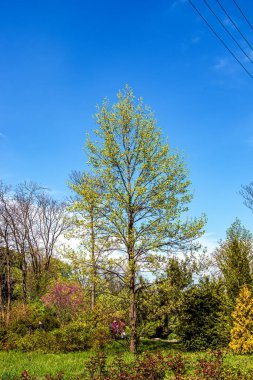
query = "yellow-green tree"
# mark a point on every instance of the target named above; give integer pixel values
(146, 192)
(242, 331)
(87, 223)
(234, 258)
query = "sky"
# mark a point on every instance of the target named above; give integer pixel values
(59, 59)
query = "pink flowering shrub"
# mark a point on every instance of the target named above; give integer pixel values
(66, 299)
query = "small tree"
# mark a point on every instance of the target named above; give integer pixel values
(242, 331)
(65, 299)
(203, 321)
(87, 221)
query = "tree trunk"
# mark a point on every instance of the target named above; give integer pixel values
(8, 281)
(93, 264)
(1, 299)
(24, 281)
(133, 314)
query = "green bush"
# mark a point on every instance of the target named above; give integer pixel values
(38, 341)
(73, 337)
(204, 322)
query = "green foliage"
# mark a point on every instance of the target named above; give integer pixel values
(234, 258)
(76, 336)
(146, 191)
(160, 303)
(203, 318)
(39, 340)
(242, 331)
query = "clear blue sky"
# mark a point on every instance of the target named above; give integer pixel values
(60, 58)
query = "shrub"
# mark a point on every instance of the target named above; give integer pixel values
(211, 367)
(73, 337)
(242, 331)
(38, 341)
(203, 322)
(66, 299)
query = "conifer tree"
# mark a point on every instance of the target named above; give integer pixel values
(242, 331)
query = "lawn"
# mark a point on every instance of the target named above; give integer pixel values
(12, 363)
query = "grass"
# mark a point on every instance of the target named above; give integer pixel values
(12, 363)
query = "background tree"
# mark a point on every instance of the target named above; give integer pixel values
(88, 219)
(146, 191)
(234, 259)
(242, 331)
(247, 194)
(203, 316)
(31, 222)
(159, 303)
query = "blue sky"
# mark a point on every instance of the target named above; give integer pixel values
(60, 58)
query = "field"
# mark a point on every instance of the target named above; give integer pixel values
(12, 363)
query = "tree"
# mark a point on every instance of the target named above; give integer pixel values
(247, 194)
(30, 225)
(234, 259)
(65, 298)
(159, 303)
(146, 192)
(203, 321)
(88, 221)
(242, 331)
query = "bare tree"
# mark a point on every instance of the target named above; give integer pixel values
(247, 193)
(5, 253)
(31, 223)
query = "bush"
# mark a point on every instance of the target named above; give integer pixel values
(203, 321)
(242, 331)
(26, 318)
(75, 336)
(147, 367)
(38, 341)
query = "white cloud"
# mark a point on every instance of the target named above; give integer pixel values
(209, 241)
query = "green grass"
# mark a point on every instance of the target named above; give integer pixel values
(12, 363)
(38, 364)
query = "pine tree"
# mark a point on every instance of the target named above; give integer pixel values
(242, 331)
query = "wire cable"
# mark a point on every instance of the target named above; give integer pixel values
(234, 24)
(243, 14)
(221, 40)
(227, 30)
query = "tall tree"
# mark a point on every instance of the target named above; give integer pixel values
(234, 258)
(146, 191)
(6, 253)
(88, 220)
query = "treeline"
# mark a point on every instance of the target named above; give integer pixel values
(137, 256)
(31, 222)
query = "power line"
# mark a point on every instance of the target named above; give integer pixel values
(221, 40)
(227, 30)
(243, 14)
(234, 24)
